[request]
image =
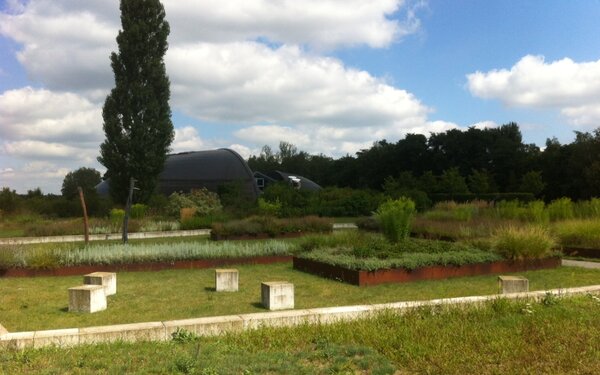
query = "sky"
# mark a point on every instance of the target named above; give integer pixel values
(329, 76)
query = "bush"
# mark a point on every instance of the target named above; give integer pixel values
(203, 201)
(138, 211)
(395, 217)
(269, 208)
(523, 242)
(8, 200)
(268, 225)
(368, 223)
(116, 216)
(336, 202)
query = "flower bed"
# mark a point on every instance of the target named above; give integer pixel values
(381, 276)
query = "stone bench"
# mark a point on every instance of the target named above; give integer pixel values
(107, 279)
(512, 284)
(87, 298)
(277, 295)
(226, 280)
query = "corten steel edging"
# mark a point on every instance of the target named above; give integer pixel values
(151, 266)
(581, 252)
(399, 275)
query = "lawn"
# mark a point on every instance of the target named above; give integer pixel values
(512, 337)
(41, 303)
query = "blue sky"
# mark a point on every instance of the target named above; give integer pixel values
(329, 76)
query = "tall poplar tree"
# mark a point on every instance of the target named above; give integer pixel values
(136, 113)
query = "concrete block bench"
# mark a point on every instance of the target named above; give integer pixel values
(87, 298)
(226, 280)
(107, 279)
(512, 284)
(277, 295)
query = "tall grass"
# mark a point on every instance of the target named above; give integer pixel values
(578, 233)
(561, 209)
(395, 217)
(523, 242)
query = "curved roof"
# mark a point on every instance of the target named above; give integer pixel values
(210, 169)
(303, 182)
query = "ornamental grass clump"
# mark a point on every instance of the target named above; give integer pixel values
(395, 217)
(524, 242)
(578, 233)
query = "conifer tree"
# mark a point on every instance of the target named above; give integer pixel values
(136, 113)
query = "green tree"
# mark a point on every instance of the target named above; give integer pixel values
(136, 113)
(9, 200)
(87, 178)
(479, 181)
(451, 182)
(532, 182)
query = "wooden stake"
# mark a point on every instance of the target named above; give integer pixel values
(86, 223)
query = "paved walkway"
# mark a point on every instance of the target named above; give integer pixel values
(117, 236)
(103, 237)
(580, 263)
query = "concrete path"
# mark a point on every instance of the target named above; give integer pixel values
(103, 237)
(580, 263)
(117, 236)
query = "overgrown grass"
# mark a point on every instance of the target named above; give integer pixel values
(181, 294)
(578, 233)
(523, 242)
(498, 337)
(44, 257)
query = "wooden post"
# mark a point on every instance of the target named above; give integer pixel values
(128, 209)
(86, 223)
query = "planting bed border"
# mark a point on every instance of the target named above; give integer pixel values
(581, 252)
(148, 266)
(399, 275)
(260, 236)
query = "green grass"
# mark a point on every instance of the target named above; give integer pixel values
(510, 337)
(41, 303)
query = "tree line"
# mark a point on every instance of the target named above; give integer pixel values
(469, 163)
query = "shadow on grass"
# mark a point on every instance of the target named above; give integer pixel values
(258, 305)
(210, 289)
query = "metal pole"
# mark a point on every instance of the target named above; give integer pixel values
(128, 208)
(86, 223)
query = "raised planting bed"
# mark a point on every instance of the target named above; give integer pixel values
(399, 275)
(581, 252)
(256, 236)
(145, 266)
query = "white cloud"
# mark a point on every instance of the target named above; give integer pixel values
(39, 114)
(251, 83)
(187, 139)
(570, 87)
(38, 149)
(245, 152)
(485, 125)
(318, 23)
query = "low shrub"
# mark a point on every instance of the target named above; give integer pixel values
(269, 208)
(203, 201)
(138, 211)
(269, 225)
(395, 217)
(589, 209)
(523, 242)
(373, 252)
(116, 216)
(43, 258)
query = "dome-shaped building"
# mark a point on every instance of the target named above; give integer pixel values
(209, 169)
